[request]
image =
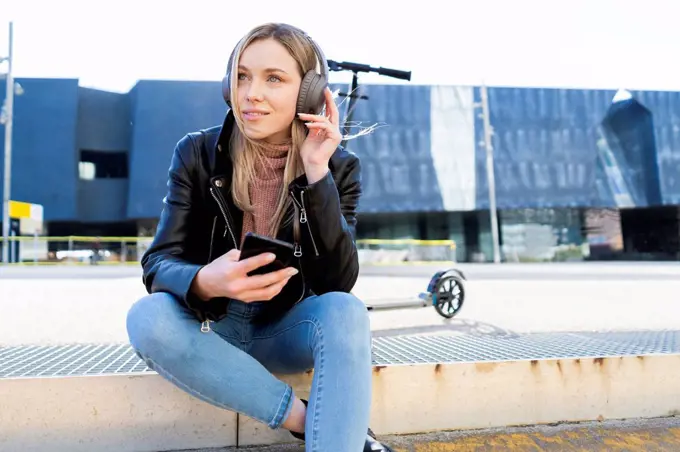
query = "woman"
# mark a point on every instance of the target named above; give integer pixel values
(273, 169)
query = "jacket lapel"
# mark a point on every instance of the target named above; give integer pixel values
(221, 173)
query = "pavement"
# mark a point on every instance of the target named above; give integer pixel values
(53, 305)
(612, 436)
(568, 271)
(478, 272)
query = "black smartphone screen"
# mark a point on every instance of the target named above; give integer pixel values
(255, 244)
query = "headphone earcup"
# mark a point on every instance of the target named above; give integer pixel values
(311, 98)
(226, 90)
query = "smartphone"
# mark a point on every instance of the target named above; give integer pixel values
(255, 244)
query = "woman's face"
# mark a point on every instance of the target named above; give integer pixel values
(268, 86)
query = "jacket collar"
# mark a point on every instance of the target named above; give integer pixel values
(222, 143)
(218, 149)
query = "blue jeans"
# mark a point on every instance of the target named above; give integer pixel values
(233, 365)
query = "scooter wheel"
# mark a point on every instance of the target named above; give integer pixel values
(448, 296)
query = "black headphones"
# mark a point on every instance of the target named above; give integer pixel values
(311, 98)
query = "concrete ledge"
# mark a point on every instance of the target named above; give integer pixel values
(143, 412)
(498, 394)
(113, 413)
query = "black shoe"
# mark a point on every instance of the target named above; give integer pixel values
(371, 444)
(300, 436)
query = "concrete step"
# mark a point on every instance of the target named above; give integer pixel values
(102, 398)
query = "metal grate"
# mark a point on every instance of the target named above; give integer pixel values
(665, 341)
(55, 361)
(472, 348)
(65, 360)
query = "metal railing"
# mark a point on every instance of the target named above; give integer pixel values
(405, 251)
(77, 250)
(87, 250)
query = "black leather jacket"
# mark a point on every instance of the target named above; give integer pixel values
(199, 222)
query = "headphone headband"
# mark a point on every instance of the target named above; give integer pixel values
(319, 56)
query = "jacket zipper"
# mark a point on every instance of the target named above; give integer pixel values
(205, 325)
(304, 219)
(303, 214)
(224, 211)
(212, 235)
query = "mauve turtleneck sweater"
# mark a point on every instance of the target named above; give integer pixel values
(265, 189)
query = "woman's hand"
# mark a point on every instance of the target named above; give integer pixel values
(322, 140)
(228, 277)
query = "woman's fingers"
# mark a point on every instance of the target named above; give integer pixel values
(255, 262)
(262, 281)
(330, 129)
(331, 108)
(312, 118)
(265, 293)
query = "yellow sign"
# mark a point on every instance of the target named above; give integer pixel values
(30, 217)
(19, 210)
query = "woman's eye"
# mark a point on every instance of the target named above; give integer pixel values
(271, 78)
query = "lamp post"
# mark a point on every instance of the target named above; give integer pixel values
(7, 110)
(488, 132)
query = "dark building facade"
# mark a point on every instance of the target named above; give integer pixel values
(573, 169)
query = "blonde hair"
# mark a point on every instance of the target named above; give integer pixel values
(246, 153)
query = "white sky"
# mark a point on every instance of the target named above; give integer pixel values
(576, 43)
